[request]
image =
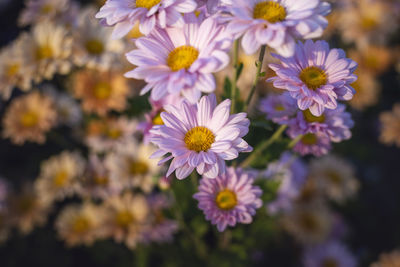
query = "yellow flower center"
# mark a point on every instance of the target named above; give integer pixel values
(334, 177)
(147, 3)
(44, 52)
(308, 221)
(135, 32)
(157, 120)
(101, 180)
(12, 70)
(199, 139)
(313, 77)
(226, 200)
(329, 262)
(371, 61)
(279, 107)
(309, 117)
(29, 119)
(61, 178)
(81, 225)
(102, 90)
(124, 218)
(182, 57)
(94, 47)
(269, 11)
(368, 23)
(138, 167)
(309, 139)
(46, 9)
(26, 203)
(114, 133)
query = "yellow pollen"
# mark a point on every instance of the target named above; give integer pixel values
(46, 9)
(334, 177)
(226, 199)
(114, 133)
(309, 117)
(157, 120)
(279, 107)
(12, 70)
(182, 57)
(81, 225)
(329, 262)
(147, 3)
(29, 119)
(313, 77)
(269, 11)
(60, 179)
(94, 47)
(199, 139)
(124, 218)
(309, 139)
(101, 180)
(138, 168)
(44, 52)
(308, 221)
(102, 90)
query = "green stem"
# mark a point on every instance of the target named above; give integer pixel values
(235, 76)
(259, 64)
(262, 146)
(295, 141)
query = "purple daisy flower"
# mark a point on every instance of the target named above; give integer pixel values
(181, 60)
(317, 144)
(276, 23)
(124, 14)
(229, 199)
(279, 108)
(331, 253)
(316, 76)
(291, 173)
(200, 136)
(335, 123)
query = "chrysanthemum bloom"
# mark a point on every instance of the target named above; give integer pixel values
(330, 254)
(367, 89)
(391, 259)
(278, 108)
(334, 177)
(308, 224)
(316, 144)
(103, 135)
(200, 136)
(316, 76)
(93, 46)
(310, 194)
(68, 110)
(373, 59)
(96, 182)
(290, 173)
(49, 48)
(29, 118)
(27, 210)
(123, 14)
(154, 116)
(367, 21)
(42, 10)
(334, 123)
(276, 23)
(59, 176)
(211, 5)
(14, 72)
(159, 229)
(183, 60)
(230, 198)
(80, 224)
(131, 165)
(125, 218)
(101, 92)
(390, 120)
